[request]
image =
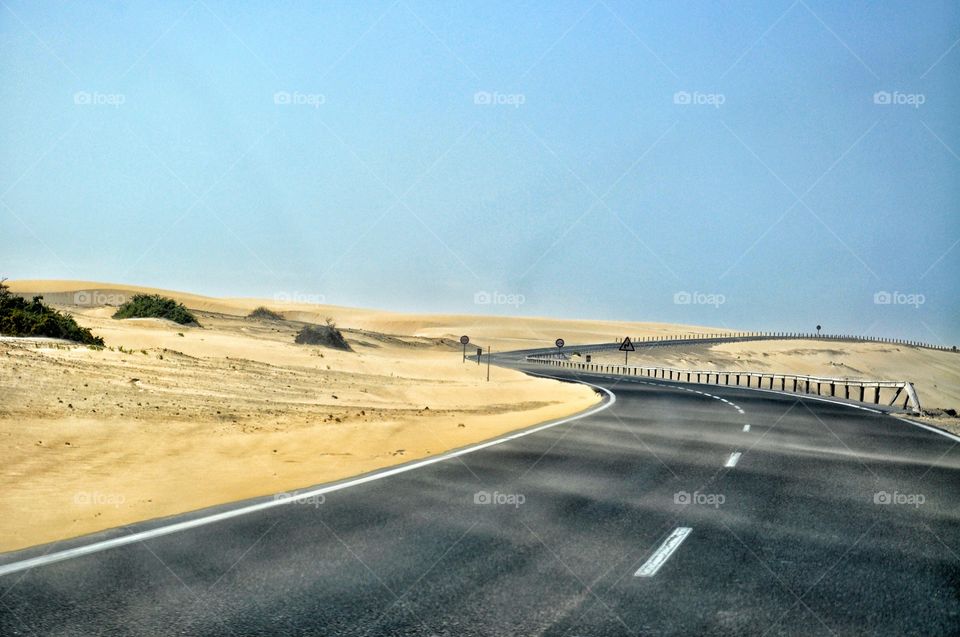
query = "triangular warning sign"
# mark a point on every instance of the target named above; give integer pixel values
(627, 346)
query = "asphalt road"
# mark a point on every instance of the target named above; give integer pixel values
(831, 521)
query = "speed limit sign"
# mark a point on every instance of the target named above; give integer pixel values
(559, 342)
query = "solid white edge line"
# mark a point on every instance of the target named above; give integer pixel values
(823, 399)
(733, 459)
(935, 430)
(96, 547)
(663, 552)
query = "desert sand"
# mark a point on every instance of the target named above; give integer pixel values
(169, 419)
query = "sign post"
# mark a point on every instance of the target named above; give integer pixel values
(479, 355)
(559, 343)
(488, 363)
(463, 341)
(626, 347)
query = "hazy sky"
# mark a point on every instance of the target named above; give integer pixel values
(771, 166)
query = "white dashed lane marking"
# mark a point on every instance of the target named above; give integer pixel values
(688, 389)
(663, 553)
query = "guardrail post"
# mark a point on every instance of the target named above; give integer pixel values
(833, 389)
(876, 395)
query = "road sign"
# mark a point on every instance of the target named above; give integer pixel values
(464, 340)
(559, 342)
(626, 347)
(479, 354)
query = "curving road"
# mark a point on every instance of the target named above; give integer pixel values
(673, 510)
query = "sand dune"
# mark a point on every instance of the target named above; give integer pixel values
(502, 332)
(170, 418)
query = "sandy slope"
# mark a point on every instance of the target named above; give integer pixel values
(182, 418)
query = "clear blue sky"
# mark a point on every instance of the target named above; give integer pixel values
(621, 158)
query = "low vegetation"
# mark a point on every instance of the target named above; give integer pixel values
(327, 335)
(156, 306)
(19, 317)
(264, 313)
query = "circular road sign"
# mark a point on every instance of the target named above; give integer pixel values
(464, 340)
(559, 342)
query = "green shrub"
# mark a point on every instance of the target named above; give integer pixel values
(327, 335)
(155, 306)
(266, 314)
(19, 317)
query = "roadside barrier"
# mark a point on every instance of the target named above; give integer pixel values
(862, 391)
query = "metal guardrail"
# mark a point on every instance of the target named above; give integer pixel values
(793, 383)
